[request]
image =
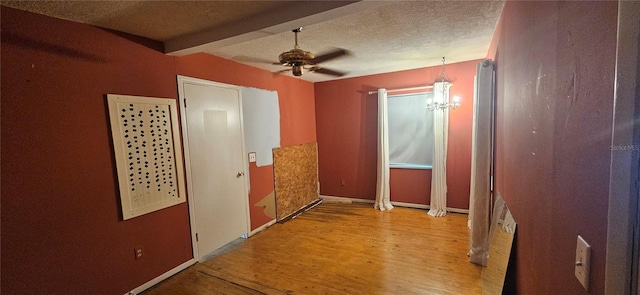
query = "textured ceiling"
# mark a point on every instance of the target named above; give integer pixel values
(384, 36)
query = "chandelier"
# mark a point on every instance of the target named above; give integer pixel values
(441, 100)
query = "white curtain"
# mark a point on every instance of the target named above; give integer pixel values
(383, 200)
(438, 205)
(481, 159)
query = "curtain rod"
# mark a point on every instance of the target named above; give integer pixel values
(404, 89)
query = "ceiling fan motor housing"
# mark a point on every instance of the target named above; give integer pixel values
(297, 59)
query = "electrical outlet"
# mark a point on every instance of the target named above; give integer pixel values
(343, 182)
(252, 157)
(138, 253)
(583, 262)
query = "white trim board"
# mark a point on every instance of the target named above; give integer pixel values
(162, 277)
(263, 227)
(622, 252)
(399, 204)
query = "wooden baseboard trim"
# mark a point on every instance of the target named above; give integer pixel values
(162, 277)
(300, 211)
(263, 227)
(399, 204)
(345, 199)
(456, 210)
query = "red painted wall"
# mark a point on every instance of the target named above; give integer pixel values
(346, 119)
(61, 226)
(555, 69)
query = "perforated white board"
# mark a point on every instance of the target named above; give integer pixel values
(148, 153)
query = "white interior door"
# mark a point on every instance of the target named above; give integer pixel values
(215, 163)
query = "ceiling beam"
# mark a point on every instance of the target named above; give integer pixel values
(299, 14)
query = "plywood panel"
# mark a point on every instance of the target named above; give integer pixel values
(295, 170)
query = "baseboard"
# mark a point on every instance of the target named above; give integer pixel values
(410, 205)
(300, 211)
(263, 227)
(399, 204)
(456, 210)
(162, 277)
(345, 199)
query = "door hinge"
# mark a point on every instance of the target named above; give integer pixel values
(196, 237)
(185, 103)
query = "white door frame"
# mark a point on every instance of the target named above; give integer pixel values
(621, 272)
(187, 156)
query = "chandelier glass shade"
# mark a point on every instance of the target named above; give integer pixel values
(441, 98)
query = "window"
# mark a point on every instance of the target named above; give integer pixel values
(410, 131)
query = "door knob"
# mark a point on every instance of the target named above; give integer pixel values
(240, 173)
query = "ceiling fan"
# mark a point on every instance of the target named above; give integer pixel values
(300, 60)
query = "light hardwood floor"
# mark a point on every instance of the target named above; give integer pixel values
(339, 248)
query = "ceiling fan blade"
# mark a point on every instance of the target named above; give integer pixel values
(244, 58)
(330, 55)
(280, 72)
(328, 72)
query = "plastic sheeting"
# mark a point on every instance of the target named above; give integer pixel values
(410, 130)
(261, 119)
(481, 164)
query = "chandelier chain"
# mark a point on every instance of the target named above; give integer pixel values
(443, 103)
(443, 70)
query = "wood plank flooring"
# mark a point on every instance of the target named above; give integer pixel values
(340, 248)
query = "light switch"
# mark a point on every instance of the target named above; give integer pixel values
(583, 262)
(252, 157)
